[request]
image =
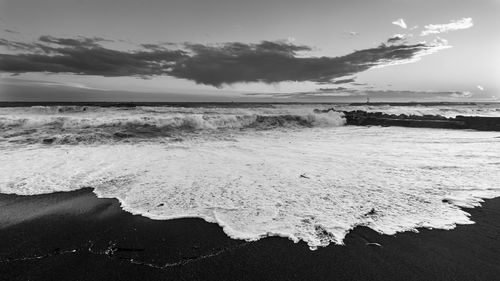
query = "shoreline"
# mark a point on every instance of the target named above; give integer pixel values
(75, 235)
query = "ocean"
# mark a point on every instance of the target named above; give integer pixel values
(257, 170)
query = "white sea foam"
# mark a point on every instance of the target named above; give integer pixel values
(313, 184)
(73, 125)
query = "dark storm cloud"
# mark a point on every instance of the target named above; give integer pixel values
(270, 63)
(216, 65)
(86, 57)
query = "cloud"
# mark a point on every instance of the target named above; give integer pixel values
(344, 81)
(359, 84)
(463, 23)
(332, 89)
(350, 34)
(272, 62)
(84, 56)
(11, 31)
(327, 94)
(401, 23)
(13, 45)
(464, 94)
(436, 45)
(215, 65)
(361, 95)
(440, 41)
(396, 38)
(70, 42)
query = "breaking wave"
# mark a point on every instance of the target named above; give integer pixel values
(188, 122)
(73, 125)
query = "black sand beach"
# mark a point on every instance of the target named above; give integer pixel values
(76, 236)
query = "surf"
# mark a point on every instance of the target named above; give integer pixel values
(314, 184)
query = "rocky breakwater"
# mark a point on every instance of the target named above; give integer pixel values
(363, 118)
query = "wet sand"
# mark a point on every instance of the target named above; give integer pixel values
(77, 236)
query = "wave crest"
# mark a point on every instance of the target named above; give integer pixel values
(91, 127)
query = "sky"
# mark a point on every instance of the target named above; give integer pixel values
(260, 50)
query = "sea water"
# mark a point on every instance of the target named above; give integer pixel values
(274, 170)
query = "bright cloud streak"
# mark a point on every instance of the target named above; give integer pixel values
(437, 45)
(453, 25)
(401, 23)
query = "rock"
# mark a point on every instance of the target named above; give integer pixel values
(363, 118)
(48, 140)
(371, 212)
